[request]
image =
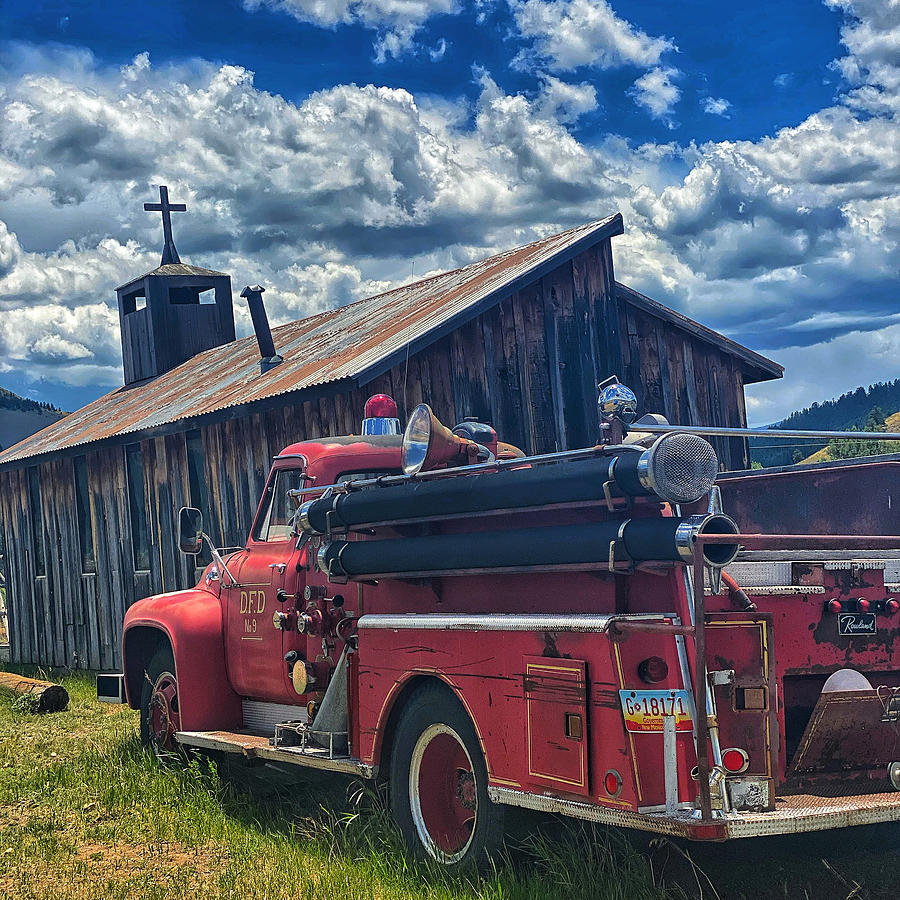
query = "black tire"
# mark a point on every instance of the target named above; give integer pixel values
(443, 811)
(159, 674)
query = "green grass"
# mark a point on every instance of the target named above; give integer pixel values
(87, 814)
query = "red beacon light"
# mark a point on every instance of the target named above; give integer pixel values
(835, 606)
(863, 605)
(891, 606)
(381, 416)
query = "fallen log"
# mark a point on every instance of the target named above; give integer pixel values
(43, 696)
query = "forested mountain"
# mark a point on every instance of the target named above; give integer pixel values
(849, 411)
(21, 417)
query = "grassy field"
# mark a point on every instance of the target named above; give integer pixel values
(87, 814)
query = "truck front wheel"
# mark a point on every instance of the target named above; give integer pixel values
(437, 789)
(160, 716)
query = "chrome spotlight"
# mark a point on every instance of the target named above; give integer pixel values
(617, 402)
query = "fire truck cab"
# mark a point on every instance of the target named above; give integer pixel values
(480, 629)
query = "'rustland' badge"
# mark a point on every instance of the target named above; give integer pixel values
(854, 624)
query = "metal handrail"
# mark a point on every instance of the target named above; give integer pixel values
(723, 431)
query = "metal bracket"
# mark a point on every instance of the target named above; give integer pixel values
(890, 702)
(626, 568)
(625, 503)
(721, 676)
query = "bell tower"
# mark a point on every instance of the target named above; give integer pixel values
(174, 312)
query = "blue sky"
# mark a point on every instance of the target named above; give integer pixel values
(331, 148)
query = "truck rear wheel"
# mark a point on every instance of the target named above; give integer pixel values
(437, 789)
(160, 716)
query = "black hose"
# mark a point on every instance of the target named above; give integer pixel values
(638, 540)
(568, 482)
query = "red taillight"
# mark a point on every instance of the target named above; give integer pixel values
(835, 606)
(862, 605)
(735, 761)
(891, 606)
(380, 406)
(653, 670)
(612, 783)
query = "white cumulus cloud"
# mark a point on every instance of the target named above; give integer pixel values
(716, 106)
(572, 33)
(396, 21)
(656, 91)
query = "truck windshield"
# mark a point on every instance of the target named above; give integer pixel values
(275, 525)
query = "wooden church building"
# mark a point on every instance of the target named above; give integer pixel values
(88, 505)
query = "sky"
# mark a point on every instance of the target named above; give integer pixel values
(331, 149)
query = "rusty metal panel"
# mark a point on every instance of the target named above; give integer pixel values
(846, 736)
(848, 497)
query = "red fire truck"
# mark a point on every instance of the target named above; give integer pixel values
(482, 629)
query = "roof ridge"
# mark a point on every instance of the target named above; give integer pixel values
(587, 226)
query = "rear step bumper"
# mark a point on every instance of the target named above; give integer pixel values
(255, 746)
(792, 814)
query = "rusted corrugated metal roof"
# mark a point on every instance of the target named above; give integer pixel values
(353, 342)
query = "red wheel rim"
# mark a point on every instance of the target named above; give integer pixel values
(165, 719)
(443, 793)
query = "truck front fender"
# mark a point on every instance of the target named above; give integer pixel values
(191, 623)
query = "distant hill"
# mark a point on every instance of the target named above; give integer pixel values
(891, 423)
(841, 414)
(21, 417)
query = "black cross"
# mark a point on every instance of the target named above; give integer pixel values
(169, 254)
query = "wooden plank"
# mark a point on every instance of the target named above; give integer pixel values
(68, 560)
(635, 372)
(86, 587)
(681, 415)
(511, 393)
(610, 308)
(436, 361)
(669, 402)
(537, 371)
(577, 426)
(583, 352)
(485, 323)
(109, 576)
(651, 399)
(52, 487)
(551, 348)
(695, 416)
(467, 372)
(528, 399)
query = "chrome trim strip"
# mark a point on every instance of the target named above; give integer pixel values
(489, 622)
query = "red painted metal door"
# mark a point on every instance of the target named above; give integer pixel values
(256, 665)
(556, 723)
(745, 708)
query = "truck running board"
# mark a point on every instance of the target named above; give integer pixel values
(792, 814)
(253, 746)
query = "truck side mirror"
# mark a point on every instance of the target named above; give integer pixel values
(190, 530)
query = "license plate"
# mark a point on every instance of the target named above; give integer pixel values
(644, 711)
(850, 624)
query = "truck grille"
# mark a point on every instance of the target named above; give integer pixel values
(261, 717)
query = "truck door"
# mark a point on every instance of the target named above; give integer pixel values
(255, 656)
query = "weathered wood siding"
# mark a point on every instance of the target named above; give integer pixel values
(529, 365)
